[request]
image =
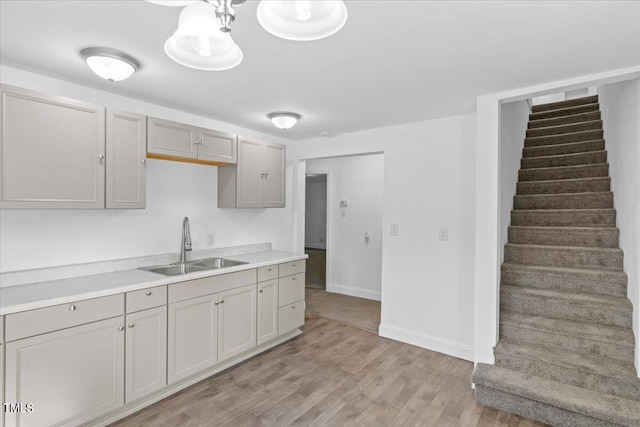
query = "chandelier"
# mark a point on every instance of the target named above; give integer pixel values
(203, 40)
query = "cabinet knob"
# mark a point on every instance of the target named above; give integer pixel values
(221, 301)
(148, 293)
(144, 161)
(198, 142)
(72, 308)
(101, 156)
(130, 325)
(121, 328)
(269, 269)
(293, 265)
(216, 303)
(293, 278)
(260, 290)
(293, 306)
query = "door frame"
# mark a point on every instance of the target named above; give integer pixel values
(327, 238)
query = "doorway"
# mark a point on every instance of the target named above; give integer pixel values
(316, 229)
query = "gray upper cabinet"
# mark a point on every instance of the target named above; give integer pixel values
(258, 180)
(179, 142)
(52, 151)
(126, 160)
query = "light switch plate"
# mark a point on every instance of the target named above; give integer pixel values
(344, 203)
(395, 229)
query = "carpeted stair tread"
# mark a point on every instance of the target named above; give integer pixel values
(573, 159)
(601, 374)
(588, 331)
(564, 172)
(564, 128)
(564, 256)
(568, 148)
(564, 138)
(564, 120)
(564, 217)
(599, 200)
(579, 280)
(561, 186)
(574, 400)
(602, 237)
(601, 309)
(563, 112)
(565, 104)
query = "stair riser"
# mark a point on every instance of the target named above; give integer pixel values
(568, 343)
(563, 138)
(565, 104)
(566, 284)
(556, 150)
(559, 130)
(591, 158)
(609, 238)
(574, 172)
(563, 257)
(564, 112)
(534, 410)
(596, 218)
(564, 120)
(596, 185)
(575, 377)
(564, 201)
(561, 309)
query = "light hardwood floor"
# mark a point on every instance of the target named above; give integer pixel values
(332, 375)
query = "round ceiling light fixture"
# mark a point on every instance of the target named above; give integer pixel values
(283, 119)
(302, 20)
(198, 42)
(110, 64)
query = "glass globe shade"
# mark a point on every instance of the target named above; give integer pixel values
(302, 20)
(284, 121)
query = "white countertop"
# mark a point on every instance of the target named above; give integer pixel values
(14, 299)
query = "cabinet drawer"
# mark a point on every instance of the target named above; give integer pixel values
(269, 272)
(289, 268)
(40, 321)
(290, 317)
(146, 298)
(209, 285)
(290, 289)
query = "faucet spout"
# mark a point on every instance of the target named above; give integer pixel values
(185, 244)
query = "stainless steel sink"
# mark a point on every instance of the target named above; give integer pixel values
(216, 263)
(193, 266)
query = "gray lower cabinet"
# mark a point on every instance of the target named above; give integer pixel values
(258, 180)
(70, 376)
(236, 321)
(291, 294)
(267, 310)
(192, 336)
(146, 352)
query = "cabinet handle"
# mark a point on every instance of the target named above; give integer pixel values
(293, 265)
(293, 278)
(101, 156)
(130, 325)
(268, 269)
(148, 293)
(266, 175)
(72, 308)
(260, 291)
(121, 328)
(221, 301)
(216, 303)
(144, 161)
(293, 306)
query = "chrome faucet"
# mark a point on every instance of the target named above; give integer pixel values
(185, 245)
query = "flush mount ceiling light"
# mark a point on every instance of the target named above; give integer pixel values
(302, 20)
(202, 40)
(110, 64)
(284, 120)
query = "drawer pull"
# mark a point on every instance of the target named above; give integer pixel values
(269, 269)
(148, 293)
(293, 306)
(221, 301)
(293, 265)
(293, 278)
(260, 290)
(72, 308)
(131, 325)
(121, 328)
(216, 303)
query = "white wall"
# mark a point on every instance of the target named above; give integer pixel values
(42, 238)
(429, 173)
(514, 117)
(355, 266)
(620, 106)
(315, 224)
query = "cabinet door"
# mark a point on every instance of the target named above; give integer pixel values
(273, 189)
(126, 160)
(250, 174)
(217, 146)
(267, 310)
(171, 140)
(193, 336)
(71, 376)
(146, 355)
(51, 151)
(237, 321)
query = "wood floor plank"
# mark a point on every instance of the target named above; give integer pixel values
(332, 375)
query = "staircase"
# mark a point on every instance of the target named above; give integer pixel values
(565, 355)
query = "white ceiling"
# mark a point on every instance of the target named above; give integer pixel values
(394, 61)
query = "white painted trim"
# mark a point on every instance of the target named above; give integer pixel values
(450, 348)
(354, 292)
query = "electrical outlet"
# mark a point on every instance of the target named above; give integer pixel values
(395, 229)
(366, 238)
(211, 238)
(343, 213)
(443, 233)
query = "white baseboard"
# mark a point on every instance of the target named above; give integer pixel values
(451, 348)
(354, 292)
(316, 246)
